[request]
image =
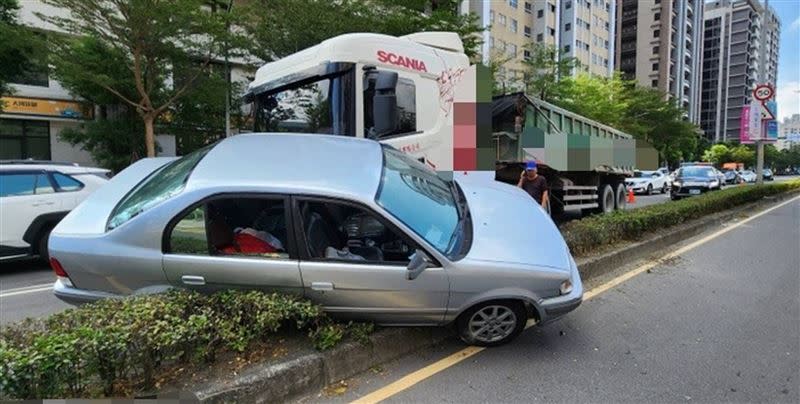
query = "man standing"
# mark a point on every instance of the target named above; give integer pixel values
(534, 184)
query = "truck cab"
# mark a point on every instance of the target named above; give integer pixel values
(397, 90)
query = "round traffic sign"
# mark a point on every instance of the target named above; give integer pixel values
(763, 92)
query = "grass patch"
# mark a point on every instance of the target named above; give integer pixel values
(591, 233)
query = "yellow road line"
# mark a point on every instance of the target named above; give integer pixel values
(417, 376)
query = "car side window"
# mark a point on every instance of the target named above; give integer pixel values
(236, 227)
(66, 183)
(341, 232)
(17, 184)
(43, 185)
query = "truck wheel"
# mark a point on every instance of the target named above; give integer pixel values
(607, 198)
(622, 197)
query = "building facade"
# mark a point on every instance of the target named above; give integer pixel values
(740, 51)
(789, 132)
(583, 29)
(659, 44)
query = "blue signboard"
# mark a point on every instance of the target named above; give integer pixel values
(772, 130)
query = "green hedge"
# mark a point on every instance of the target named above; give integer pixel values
(120, 346)
(588, 234)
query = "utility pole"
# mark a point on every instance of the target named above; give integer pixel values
(759, 162)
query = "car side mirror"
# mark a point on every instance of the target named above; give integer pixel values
(384, 103)
(419, 262)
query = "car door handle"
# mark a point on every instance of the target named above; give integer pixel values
(321, 286)
(193, 280)
(40, 203)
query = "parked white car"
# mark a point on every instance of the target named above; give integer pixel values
(648, 181)
(748, 176)
(34, 197)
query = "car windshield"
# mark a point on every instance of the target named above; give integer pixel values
(640, 174)
(317, 105)
(696, 172)
(161, 185)
(419, 198)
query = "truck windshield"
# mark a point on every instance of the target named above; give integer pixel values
(322, 105)
(419, 198)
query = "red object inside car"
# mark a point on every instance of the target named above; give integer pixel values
(248, 244)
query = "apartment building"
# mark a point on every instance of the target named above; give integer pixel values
(584, 29)
(789, 132)
(659, 44)
(740, 51)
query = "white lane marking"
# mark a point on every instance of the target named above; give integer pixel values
(28, 289)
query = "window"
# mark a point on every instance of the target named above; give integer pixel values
(568, 4)
(567, 27)
(656, 33)
(17, 184)
(552, 8)
(337, 231)
(512, 50)
(539, 13)
(526, 54)
(654, 83)
(607, 26)
(567, 48)
(501, 19)
(527, 31)
(421, 200)
(233, 226)
(539, 38)
(159, 186)
(594, 58)
(513, 26)
(552, 31)
(513, 3)
(594, 39)
(66, 183)
(491, 15)
(324, 106)
(406, 93)
(655, 50)
(23, 139)
(528, 7)
(655, 67)
(657, 16)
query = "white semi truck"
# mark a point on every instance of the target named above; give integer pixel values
(420, 94)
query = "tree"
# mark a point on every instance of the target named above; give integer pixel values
(599, 98)
(281, 27)
(743, 154)
(20, 47)
(545, 69)
(718, 154)
(165, 46)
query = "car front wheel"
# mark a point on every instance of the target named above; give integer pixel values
(492, 323)
(649, 189)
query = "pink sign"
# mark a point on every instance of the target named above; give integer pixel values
(744, 125)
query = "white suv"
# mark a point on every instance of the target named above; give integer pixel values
(34, 197)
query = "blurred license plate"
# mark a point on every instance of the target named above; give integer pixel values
(694, 192)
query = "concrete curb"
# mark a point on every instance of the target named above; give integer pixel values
(312, 372)
(281, 381)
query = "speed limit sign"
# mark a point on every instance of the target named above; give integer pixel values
(763, 92)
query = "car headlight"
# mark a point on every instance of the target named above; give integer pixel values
(676, 183)
(566, 287)
(713, 183)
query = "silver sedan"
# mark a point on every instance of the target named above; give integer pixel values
(358, 227)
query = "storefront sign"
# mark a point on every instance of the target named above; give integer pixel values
(49, 108)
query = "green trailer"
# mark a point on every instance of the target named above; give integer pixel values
(585, 162)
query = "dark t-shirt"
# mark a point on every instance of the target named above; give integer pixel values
(535, 187)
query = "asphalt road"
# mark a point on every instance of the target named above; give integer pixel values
(25, 291)
(719, 323)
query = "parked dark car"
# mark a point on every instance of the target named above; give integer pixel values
(693, 180)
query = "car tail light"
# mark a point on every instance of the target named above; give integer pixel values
(58, 269)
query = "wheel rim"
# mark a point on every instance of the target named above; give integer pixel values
(608, 198)
(492, 323)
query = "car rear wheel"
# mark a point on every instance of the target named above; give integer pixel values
(42, 246)
(492, 323)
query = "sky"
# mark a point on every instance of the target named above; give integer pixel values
(788, 86)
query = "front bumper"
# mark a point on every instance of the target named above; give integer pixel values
(75, 296)
(552, 308)
(690, 190)
(637, 188)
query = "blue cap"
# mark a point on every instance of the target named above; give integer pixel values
(531, 165)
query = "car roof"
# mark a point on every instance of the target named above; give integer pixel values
(62, 168)
(293, 163)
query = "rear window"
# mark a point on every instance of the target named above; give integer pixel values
(159, 186)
